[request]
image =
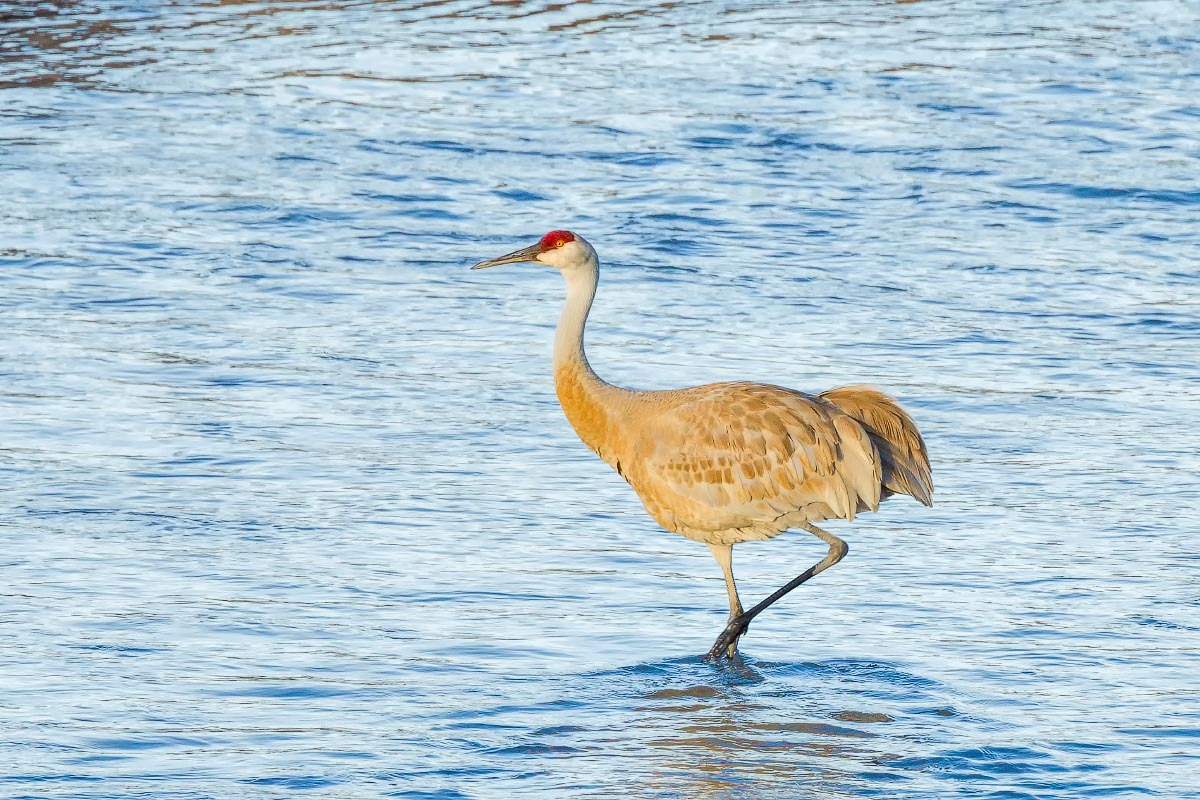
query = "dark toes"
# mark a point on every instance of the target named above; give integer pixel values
(720, 648)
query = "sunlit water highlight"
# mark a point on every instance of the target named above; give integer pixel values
(291, 508)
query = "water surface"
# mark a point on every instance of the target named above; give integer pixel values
(290, 505)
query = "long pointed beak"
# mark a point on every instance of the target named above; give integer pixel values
(524, 254)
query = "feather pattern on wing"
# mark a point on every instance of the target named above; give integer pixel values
(731, 462)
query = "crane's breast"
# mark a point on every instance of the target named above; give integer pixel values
(594, 410)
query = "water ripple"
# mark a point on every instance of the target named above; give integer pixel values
(292, 506)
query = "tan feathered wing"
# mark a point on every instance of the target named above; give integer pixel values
(731, 462)
(905, 459)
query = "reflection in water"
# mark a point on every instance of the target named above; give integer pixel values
(710, 732)
(42, 48)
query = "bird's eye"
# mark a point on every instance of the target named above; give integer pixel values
(559, 243)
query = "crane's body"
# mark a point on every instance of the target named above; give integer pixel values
(728, 463)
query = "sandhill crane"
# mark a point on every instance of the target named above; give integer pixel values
(728, 463)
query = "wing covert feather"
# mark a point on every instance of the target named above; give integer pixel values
(744, 455)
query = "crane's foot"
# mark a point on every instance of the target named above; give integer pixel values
(726, 644)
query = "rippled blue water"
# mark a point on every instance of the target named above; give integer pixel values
(290, 508)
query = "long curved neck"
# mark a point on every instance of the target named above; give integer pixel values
(568, 338)
(592, 406)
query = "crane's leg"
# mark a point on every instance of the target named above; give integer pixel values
(723, 553)
(737, 626)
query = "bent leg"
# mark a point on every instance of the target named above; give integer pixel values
(737, 626)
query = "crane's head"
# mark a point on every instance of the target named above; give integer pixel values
(563, 250)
